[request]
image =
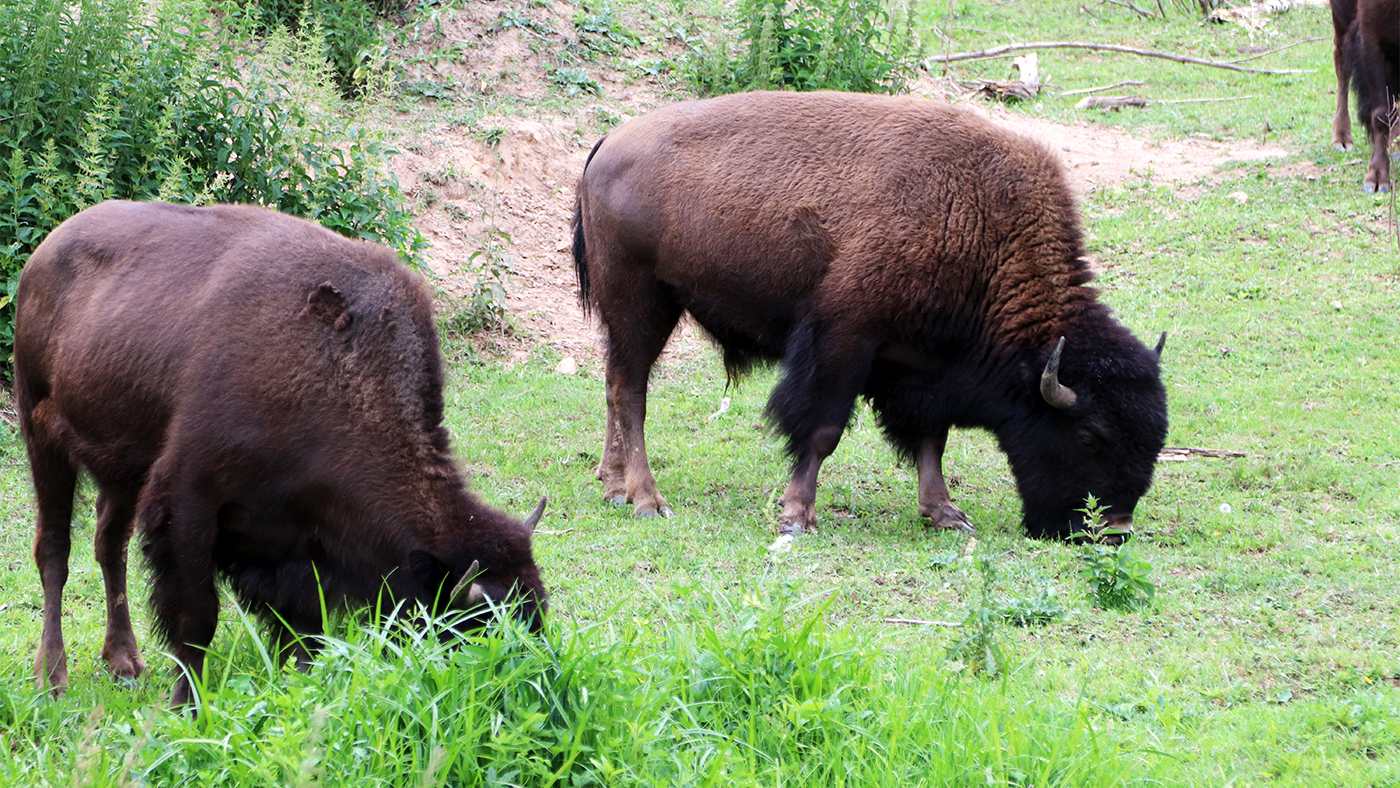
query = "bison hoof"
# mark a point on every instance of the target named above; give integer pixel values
(647, 512)
(949, 517)
(1373, 188)
(1343, 146)
(617, 499)
(788, 526)
(126, 682)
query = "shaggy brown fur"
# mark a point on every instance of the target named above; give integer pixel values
(265, 398)
(888, 247)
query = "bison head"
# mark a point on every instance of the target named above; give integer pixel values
(1092, 423)
(487, 567)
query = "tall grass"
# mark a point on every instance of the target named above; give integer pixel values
(714, 691)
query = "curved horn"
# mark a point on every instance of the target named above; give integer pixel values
(1059, 396)
(1161, 343)
(533, 519)
(467, 594)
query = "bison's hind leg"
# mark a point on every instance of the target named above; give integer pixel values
(640, 315)
(55, 479)
(116, 511)
(935, 503)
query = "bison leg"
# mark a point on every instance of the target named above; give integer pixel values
(116, 511)
(1378, 172)
(55, 479)
(634, 342)
(934, 501)
(1341, 120)
(179, 530)
(812, 406)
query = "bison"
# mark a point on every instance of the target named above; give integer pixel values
(892, 248)
(1366, 54)
(264, 397)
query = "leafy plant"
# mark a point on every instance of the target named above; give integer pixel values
(349, 33)
(1118, 579)
(114, 102)
(854, 45)
(1028, 612)
(980, 649)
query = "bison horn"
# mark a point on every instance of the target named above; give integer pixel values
(1161, 343)
(534, 518)
(1060, 397)
(467, 594)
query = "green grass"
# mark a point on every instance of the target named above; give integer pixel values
(1269, 655)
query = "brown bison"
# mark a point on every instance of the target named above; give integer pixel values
(891, 248)
(1366, 54)
(265, 398)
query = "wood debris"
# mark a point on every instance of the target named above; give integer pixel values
(1184, 453)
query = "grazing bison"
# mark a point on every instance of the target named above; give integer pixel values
(1366, 36)
(893, 248)
(265, 398)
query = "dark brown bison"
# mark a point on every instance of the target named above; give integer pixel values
(265, 398)
(893, 248)
(1366, 53)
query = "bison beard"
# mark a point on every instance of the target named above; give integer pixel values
(265, 398)
(890, 248)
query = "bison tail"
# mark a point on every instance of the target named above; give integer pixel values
(580, 249)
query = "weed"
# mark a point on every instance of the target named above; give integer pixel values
(574, 81)
(980, 651)
(1118, 579)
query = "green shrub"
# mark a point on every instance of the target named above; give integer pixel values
(349, 32)
(107, 101)
(855, 45)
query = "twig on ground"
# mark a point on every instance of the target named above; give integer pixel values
(543, 532)
(1007, 49)
(1202, 100)
(917, 622)
(1129, 5)
(1258, 55)
(1103, 87)
(1184, 453)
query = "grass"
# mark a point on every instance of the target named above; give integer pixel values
(1269, 655)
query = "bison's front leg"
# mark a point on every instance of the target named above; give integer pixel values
(813, 405)
(1341, 119)
(116, 510)
(179, 531)
(934, 501)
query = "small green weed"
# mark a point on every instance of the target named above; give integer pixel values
(1117, 578)
(979, 651)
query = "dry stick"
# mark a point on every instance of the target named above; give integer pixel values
(1258, 55)
(917, 622)
(1202, 100)
(1130, 5)
(1102, 87)
(1009, 48)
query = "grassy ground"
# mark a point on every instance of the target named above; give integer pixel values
(684, 651)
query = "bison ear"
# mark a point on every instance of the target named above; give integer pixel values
(1161, 343)
(327, 304)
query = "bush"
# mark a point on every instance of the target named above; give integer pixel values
(854, 45)
(104, 101)
(348, 32)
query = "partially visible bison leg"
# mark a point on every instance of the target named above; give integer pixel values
(116, 510)
(612, 471)
(1378, 172)
(638, 485)
(799, 513)
(934, 501)
(1341, 120)
(54, 481)
(179, 530)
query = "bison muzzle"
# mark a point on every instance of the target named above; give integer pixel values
(264, 397)
(892, 248)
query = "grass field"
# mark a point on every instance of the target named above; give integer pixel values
(685, 651)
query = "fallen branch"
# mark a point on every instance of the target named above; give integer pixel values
(1007, 49)
(1182, 454)
(1258, 55)
(1110, 102)
(916, 622)
(1103, 87)
(1203, 100)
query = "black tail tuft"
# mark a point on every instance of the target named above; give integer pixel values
(580, 249)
